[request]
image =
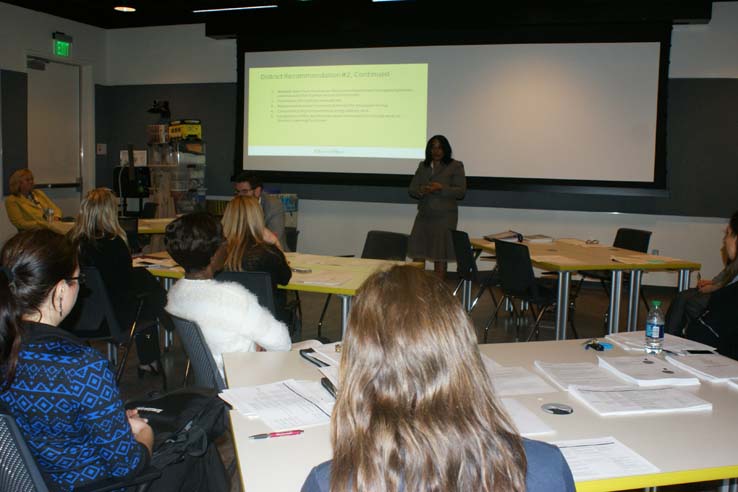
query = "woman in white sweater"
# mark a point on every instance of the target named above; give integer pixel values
(229, 316)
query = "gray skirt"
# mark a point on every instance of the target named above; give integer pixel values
(431, 239)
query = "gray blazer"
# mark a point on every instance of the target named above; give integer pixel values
(453, 179)
(274, 217)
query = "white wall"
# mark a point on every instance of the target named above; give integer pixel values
(169, 55)
(25, 32)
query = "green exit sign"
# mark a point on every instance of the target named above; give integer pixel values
(62, 43)
(61, 48)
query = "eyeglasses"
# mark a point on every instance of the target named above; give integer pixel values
(81, 278)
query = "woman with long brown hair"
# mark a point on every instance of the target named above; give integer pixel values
(416, 410)
(254, 248)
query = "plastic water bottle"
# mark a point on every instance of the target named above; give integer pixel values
(655, 329)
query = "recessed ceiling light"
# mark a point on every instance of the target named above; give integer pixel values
(124, 8)
(252, 7)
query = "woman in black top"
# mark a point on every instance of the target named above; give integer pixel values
(102, 243)
(254, 248)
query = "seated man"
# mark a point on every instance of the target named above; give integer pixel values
(247, 184)
(689, 304)
(229, 316)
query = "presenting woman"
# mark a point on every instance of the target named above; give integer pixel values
(254, 248)
(416, 409)
(60, 391)
(438, 184)
(28, 208)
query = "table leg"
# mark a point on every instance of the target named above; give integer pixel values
(683, 280)
(633, 298)
(345, 308)
(562, 305)
(613, 320)
(466, 295)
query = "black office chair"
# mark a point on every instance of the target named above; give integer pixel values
(201, 363)
(466, 267)
(149, 210)
(258, 283)
(19, 471)
(378, 245)
(631, 239)
(519, 282)
(130, 226)
(93, 318)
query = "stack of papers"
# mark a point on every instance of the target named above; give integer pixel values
(283, 405)
(600, 458)
(537, 239)
(647, 370)
(510, 381)
(636, 341)
(512, 236)
(582, 374)
(639, 401)
(709, 367)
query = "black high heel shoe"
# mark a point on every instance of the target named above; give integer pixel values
(144, 369)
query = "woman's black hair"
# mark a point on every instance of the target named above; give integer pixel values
(33, 262)
(444, 145)
(193, 239)
(734, 222)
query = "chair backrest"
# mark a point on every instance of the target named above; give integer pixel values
(290, 237)
(466, 266)
(149, 210)
(202, 363)
(18, 469)
(516, 270)
(93, 315)
(130, 225)
(258, 283)
(383, 245)
(632, 239)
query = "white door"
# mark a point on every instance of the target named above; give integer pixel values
(54, 144)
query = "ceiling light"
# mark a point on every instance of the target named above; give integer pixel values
(124, 8)
(253, 7)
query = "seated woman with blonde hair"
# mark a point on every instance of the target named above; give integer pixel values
(416, 409)
(28, 208)
(254, 248)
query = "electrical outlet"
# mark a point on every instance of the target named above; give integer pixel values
(655, 252)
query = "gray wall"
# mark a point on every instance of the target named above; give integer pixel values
(702, 150)
(13, 122)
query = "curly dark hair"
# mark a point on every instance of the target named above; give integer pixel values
(248, 177)
(734, 222)
(193, 239)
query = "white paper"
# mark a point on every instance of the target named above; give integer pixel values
(331, 372)
(585, 374)
(636, 340)
(605, 457)
(639, 401)
(710, 367)
(284, 405)
(526, 422)
(647, 370)
(511, 381)
(328, 354)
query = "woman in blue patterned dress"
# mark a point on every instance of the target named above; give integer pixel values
(60, 391)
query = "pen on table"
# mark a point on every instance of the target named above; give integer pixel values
(269, 435)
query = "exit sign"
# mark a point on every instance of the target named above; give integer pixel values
(62, 43)
(61, 48)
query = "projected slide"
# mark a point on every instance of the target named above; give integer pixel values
(338, 111)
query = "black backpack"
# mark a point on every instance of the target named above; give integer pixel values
(185, 422)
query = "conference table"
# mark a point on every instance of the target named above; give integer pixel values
(567, 256)
(340, 276)
(686, 447)
(145, 226)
